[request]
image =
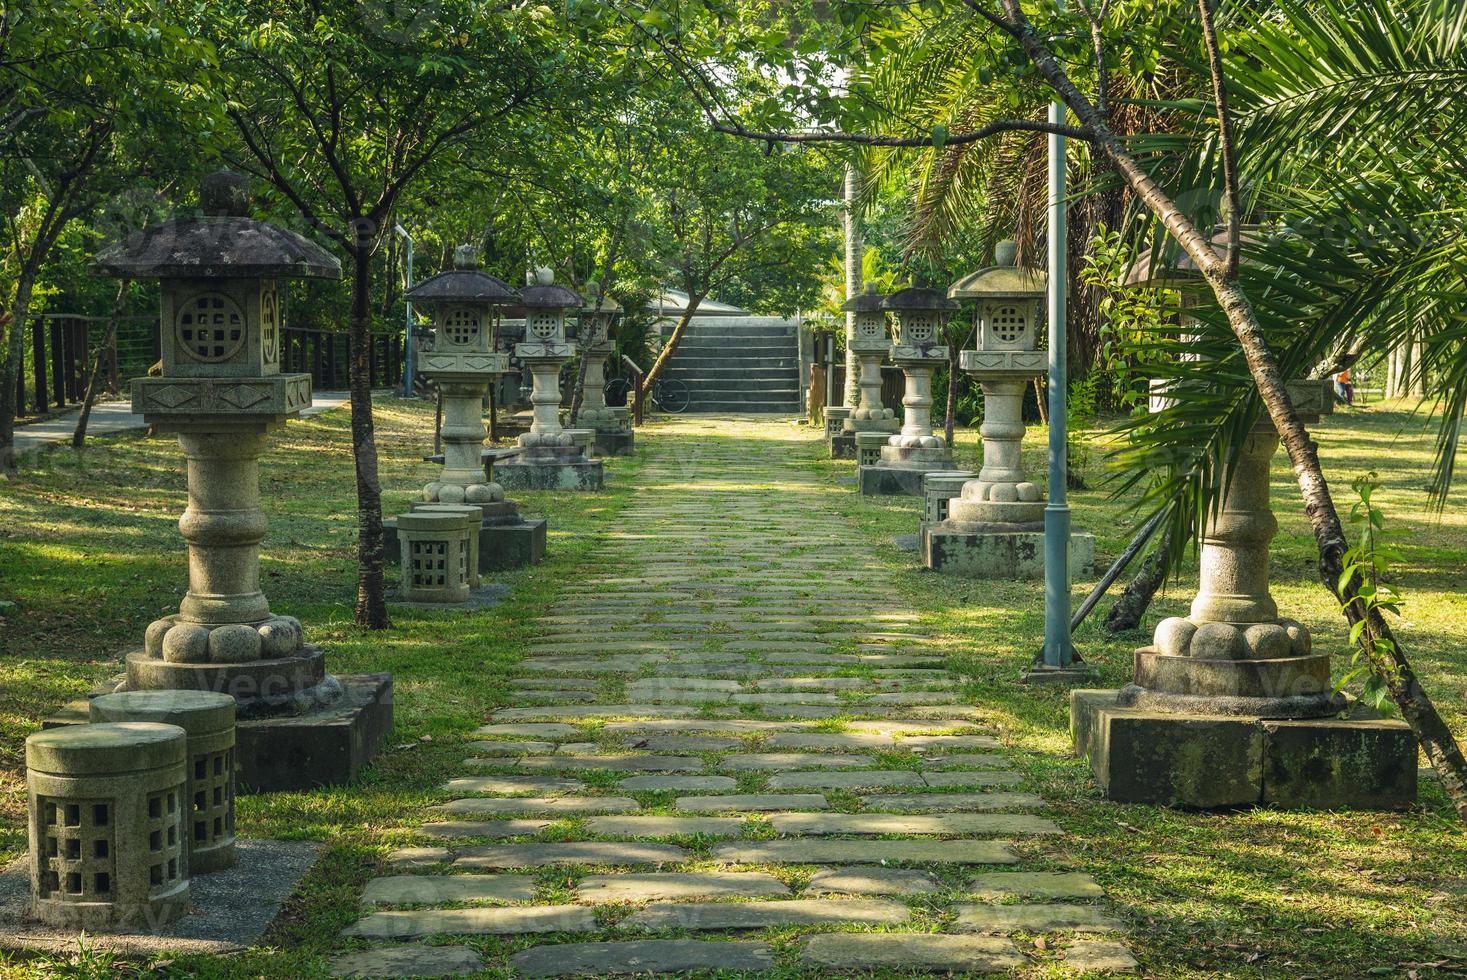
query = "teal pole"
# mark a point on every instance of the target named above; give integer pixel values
(1058, 652)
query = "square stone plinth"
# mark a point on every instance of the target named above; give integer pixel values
(892, 481)
(1006, 555)
(231, 908)
(1214, 761)
(842, 445)
(505, 546)
(615, 442)
(584, 475)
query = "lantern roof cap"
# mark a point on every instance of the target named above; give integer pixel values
(1169, 265)
(1002, 280)
(543, 293)
(918, 298)
(464, 283)
(869, 301)
(222, 243)
(597, 301)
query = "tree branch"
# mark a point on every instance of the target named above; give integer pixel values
(1224, 134)
(865, 139)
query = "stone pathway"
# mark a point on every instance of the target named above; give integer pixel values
(731, 748)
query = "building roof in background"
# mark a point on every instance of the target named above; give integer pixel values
(674, 302)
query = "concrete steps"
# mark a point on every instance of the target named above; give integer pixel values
(748, 365)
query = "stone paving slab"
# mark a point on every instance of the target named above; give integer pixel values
(1035, 884)
(860, 952)
(737, 726)
(846, 779)
(753, 802)
(937, 823)
(407, 961)
(511, 784)
(1034, 918)
(713, 784)
(417, 857)
(417, 923)
(532, 730)
(1090, 956)
(660, 826)
(829, 740)
(683, 743)
(680, 886)
(783, 761)
(616, 763)
(872, 881)
(446, 889)
(967, 777)
(951, 801)
(642, 956)
(575, 852)
(508, 748)
(483, 828)
(486, 806)
(702, 916)
(598, 711)
(866, 852)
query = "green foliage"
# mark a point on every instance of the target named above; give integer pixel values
(1364, 575)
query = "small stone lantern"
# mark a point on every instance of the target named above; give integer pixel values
(1231, 705)
(870, 342)
(463, 363)
(920, 314)
(552, 458)
(222, 391)
(995, 528)
(612, 424)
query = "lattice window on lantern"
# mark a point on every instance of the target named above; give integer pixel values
(871, 326)
(212, 814)
(165, 827)
(210, 327)
(1009, 324)
(917, 327)
(461, 328)
(429, 564)
(544, 326)
(269, 327)
(78, 860)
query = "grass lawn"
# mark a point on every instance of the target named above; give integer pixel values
(89, 551)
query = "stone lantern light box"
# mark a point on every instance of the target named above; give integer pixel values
(870, 342)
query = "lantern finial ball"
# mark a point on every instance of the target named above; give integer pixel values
(1006, 252)
(225, 193)
(466, 257)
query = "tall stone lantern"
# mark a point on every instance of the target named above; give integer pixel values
(995, 528)
(870, 342)
(1231, 705)
(222, 391)
(920, 314)
(611, 423)
(465, 303)
(552, 457)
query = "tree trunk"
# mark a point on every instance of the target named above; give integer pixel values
(855, 249)
(79, 436)
(952, 393)
(668, 349)
(10, 370)
(1136, 598)
(580, 390)
(371, 610)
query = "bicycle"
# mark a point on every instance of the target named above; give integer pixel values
(667, 395)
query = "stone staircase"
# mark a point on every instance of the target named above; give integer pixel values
(744, 364)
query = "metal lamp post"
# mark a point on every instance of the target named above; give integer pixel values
(409, 355)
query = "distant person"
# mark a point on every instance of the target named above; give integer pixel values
(1344, 390)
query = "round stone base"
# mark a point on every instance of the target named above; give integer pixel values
(991, 512)
(926, 458)
(261, 689)
(1289, 687)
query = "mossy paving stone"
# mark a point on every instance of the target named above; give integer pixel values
(682, 784)
(1049, 917)
(780, 761)
(1035, 884)
(488, 806)
(951, 801)
(753, 802)
(803, 851)
(659, 826)
(511, 784)
(447, 889)
(1099, 957)
(416, 923)
(872, 881)
(846, 779)
(699, 916)
(683, 743)
(936, 823)
(640, 956)
(572, 853)
(530, 730)
(829, 740)
(483, 828)
(680, 886)
(616, 763)
(971, 778)
(918, 951)
(407, 961)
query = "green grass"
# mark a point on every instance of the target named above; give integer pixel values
(89, 551)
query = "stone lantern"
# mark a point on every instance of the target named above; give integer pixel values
(222, 391)
(552, 458)
(463, 362)
(612, 424)
(1231, 705)
(920, 313)
(995, 527)
(870, 342)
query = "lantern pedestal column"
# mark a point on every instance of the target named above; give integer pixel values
(611, 423)
(915, 451)
(995, 527)
(549, 459)
(1231, 705)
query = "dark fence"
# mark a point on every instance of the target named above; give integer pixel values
(893, 385)
(63, 347)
